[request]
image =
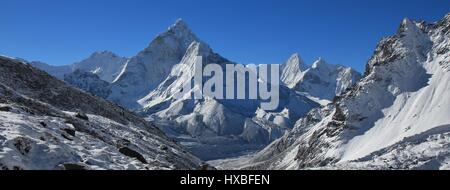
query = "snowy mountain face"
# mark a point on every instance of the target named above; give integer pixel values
(145, 71)
(292, 71)
(215, 128)
(321, 81)
(396, 117)
(92, 75)
(106, 65)
(46, 124)
(209, 127)
(89, 82)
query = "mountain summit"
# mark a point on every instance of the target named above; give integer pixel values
(152, 65)
(292, 70)
(321, 81)
(105, 64)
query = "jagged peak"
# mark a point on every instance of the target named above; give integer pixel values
(180, 28)
(409, 26)
(447, 16)
(296, 61)
(407, 22)
(179, 23)
(179, 31)
(295, 57)
(446, 20)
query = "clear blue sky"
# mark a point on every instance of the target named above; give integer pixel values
(247, 31)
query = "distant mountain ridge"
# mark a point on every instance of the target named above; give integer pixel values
(322, 80)
(105, 64)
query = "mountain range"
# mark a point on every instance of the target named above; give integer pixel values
(329, 116)
(210, 128)
(395, 117)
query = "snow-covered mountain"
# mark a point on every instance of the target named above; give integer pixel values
(396, 117)
(88, 82)
(293, 70)
(105, 64)
(46, 124)
(145, 71)
(321, 81)
(211, 128)
(214, 128)
(131, 78)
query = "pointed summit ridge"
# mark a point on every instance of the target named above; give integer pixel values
(297, 61)
(179, 23)
(291, 71)
(145, 71)
(409, 27)
(181, 30)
